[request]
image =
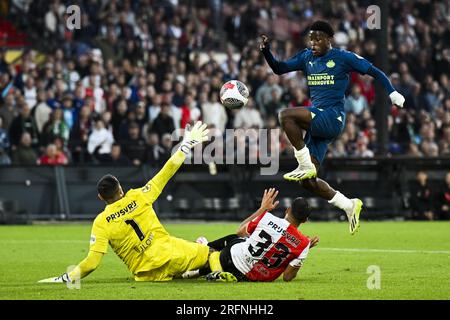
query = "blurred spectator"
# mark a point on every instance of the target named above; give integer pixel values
(166, 144)
(154, 108)
(55, 127)
(299, 99)
(174, 112)
(178, 96)
(355, 102)
(41, 111)
(119, 115)
(30, 92)
(414, 151)
(4, 137)
(107, 118)
(153, 152)
(100, 141)
(433, 97)
(190, 112)
(267, 92)
(421, 198)
(4, 158)
(248, 117)
(53, 157)
(116, 157)
(443, 199)
(213, 112)
(62, 149)
(275, 104)
(362, 150)
(79, 136)
(134, 147)
(69, 113)
(164, 122)
(24, 123)
(4, 145)
(24, 153)
(8, 111)
(141, 115)
(339, 150)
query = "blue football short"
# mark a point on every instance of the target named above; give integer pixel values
(326, 125)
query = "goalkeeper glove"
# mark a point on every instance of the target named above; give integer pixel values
(191, 138)
(61, 279)
(397, 99)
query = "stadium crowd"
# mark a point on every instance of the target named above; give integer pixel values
(114, 90)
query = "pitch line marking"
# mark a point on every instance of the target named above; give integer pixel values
(384, 250)
(13, 241)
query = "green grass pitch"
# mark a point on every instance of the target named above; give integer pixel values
(413, 259)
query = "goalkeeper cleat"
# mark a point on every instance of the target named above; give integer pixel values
(61, 279)
(353, 217)
(221, 276)
(301, 173)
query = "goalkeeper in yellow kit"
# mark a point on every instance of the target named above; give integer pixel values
(130, 226)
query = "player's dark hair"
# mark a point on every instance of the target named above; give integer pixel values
(322, 26)
(300, 209)
(108, 186)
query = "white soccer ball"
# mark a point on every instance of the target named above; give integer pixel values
(234, 94)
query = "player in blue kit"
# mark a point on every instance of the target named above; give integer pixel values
(327, 72)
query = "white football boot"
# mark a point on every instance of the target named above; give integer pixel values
(353, 216)
(302, 172)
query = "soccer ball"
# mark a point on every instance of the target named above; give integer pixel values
(234, 94)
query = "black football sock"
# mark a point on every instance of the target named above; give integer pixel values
(221, 243)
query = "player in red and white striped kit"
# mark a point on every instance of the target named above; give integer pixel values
(264, 246)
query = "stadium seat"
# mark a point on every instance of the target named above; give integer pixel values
(285, 202)
(11, 213)
(314, 203)
(369, 202)
(182, 204)
(233, 204)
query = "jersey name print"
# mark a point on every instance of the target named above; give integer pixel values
(130, 207)
(272, 245)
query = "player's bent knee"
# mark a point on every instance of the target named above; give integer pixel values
(300, 116)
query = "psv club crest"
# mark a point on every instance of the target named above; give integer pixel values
(330, 64)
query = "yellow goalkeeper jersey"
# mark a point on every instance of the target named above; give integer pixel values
(131, 227)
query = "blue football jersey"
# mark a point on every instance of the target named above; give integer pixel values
(327, 76)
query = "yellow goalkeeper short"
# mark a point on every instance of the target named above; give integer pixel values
(186, 256)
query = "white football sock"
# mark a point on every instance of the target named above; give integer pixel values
(303, 156)
(342, 202)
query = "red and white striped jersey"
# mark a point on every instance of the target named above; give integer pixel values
(273, 244)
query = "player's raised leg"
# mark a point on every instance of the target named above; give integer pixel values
(294, 122)
(321, 188)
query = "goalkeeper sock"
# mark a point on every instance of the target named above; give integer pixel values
(342, 202)
(214, 261)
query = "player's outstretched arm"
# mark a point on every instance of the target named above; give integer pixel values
(84, 268)
(290, 273)
(197, 135)
(292, 269)
(380, 76)
(267, 203)
(278, 67)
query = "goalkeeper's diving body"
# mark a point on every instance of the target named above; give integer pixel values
(130, 226)
(311, 129)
